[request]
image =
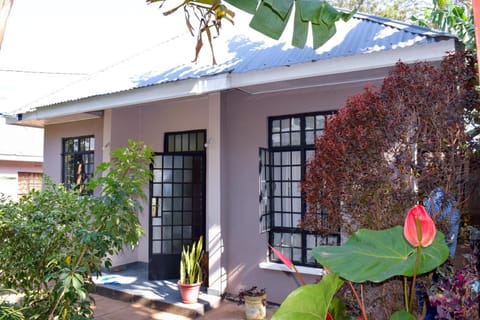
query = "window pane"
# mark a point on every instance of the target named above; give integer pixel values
(201, 142)
(193, 142)
(309, 123)
(286, 158)
(185, 143)
(296, 124)
(171, 143)
(295, 139)
(320, 122)
(276, 140)
(309, 137)
(285, 139)
(178, 143)
(275, 126)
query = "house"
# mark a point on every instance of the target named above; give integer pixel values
(231, 140)
(21, 160)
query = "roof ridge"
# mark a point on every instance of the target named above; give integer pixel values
(403, 25)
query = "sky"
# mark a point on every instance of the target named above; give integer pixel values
(49, 43)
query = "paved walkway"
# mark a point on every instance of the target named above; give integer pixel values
(128, 294)
(112, 309)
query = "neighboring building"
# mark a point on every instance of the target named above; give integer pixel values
(21, 159)
(231, 140)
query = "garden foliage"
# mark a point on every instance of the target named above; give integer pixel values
(53, 241)
(391, 145)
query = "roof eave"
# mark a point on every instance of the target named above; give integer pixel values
(193, 87)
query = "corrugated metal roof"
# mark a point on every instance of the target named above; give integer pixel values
(240, 52)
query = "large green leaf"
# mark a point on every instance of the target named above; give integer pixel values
(378, 255)
(402, 315)
(281, 7)
(322, 33)
(300, 29)
(319, 12)
(249, 6)
(268, 22)
(311, 301)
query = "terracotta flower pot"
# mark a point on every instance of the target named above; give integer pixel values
(255, 307)
(189, 292)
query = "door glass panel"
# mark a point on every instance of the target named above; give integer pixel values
(157, 190)
(167, 190)
(178, 161)
(178, 201)
(167, 246)
(178, 191)
(167, 204)
(156, 233)
(187, 163)
(156, 247)
(177, 204)
(166, 176)
(168, 161)
(187, 204)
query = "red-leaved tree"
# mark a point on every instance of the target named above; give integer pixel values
(387, 149)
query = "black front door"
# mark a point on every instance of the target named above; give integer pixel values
(177, 216)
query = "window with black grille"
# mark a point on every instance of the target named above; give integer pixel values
(78, 161)
(282, 170)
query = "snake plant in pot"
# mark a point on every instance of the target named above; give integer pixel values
(191, 275)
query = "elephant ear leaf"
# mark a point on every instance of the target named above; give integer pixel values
(311, 301)
(375, 256)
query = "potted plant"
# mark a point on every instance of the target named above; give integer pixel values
(255, 303)
(191, 275)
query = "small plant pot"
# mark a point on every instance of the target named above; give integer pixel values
(189, 292)
(255, 307)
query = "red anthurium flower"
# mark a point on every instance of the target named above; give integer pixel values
(283, 258)
(419, 228)
(329, 317)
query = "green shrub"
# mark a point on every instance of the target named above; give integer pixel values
(53, 241)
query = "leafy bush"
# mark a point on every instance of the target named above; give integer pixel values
(53, 241)
(455, 293)
(387, 147)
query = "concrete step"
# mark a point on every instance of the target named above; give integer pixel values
(130, 284)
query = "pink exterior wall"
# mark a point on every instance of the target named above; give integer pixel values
(53, 143)
(148, 124)
(245, 120)
(244, 128)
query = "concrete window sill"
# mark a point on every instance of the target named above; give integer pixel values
(281, 267)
